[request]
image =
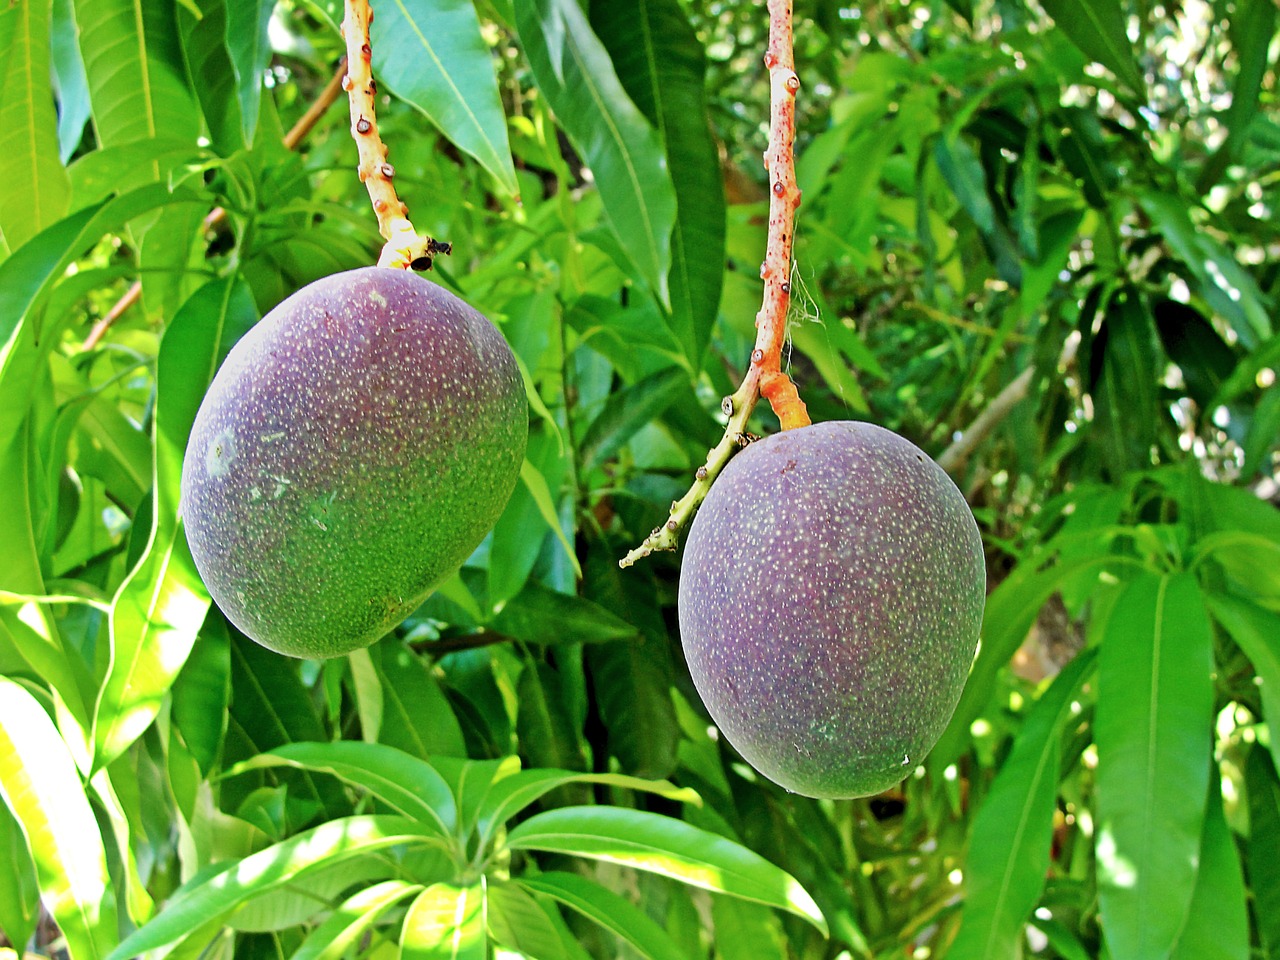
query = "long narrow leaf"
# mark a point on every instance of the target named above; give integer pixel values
(1218, 921)
(250, 51)
(433, 56)
(1154, 714)
(40, 785)
(1099, 29)
(616, 914)
(671, 848)
(343, 928)
(575, 74)
(445, 922)
(662, 66)
(19, 887)
(1257, 632)
(1012, 834)
(410, 786)
(35, 185)
(290, 860)
(158, 610)
(515, 921)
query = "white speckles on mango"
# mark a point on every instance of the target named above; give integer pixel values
(829, 612)
(220, 454)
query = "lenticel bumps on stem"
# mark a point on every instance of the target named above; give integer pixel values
(831, 594)
(352, 451)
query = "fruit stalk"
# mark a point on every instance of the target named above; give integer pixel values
(405, 247)
(764, 376)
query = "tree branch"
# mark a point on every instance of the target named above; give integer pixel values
(764, 376)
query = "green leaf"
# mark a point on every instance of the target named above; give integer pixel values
(158, 610)
(285, 862)
(1257, 632)
(416, 716)
(433, 56)
(202, 694)
(514, 793)
(137, 78)
(41, 787)
(662, 66)
(35, 183)
(250, 51)
(410, 786)
(1218, 921)
(1153, 728)
(1126, 402)
(616, 914)
(545, 723)
(445, 922)
(1010, 843)
(746, 931)
(538, 614)
(73, 85)
(1264, 847)
(213, 75)
(536, 485)
(19, 886)
(1098, 29)
(347, 924)
(626, 411)
(668, 847)
(515, 921)
(574, 72)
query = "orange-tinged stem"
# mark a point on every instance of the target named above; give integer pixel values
(405, 247)
(764, 376)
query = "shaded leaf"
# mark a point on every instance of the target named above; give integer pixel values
(1098, 29)
(205, 41)
(37, 189)
(445, 922)
(250, 51)
(1153, 723)
(1256, 631)
(545, 724)
(69, 75)
(41, 786)
(662, 67)
(19, 887)
(670, 848)
(1126, 404)
(626, 411)
(1264, 847)
(614, 913)
(624, 152)
(416, 716)
(410, 786)
(159, 609)
(515, 921)
(347, 924)
(433, 56)
(538, 614)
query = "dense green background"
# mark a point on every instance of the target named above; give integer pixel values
(1053, 221)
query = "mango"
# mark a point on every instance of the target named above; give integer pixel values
(351, 452)
(831, 595)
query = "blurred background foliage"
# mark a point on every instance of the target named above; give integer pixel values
(1038, 238)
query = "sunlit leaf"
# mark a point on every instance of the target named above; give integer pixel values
(445, 922)
(347, 924)
(40, 785)
(672, 848)
(616, 914)
(661, 64)
(250, 53)
(35, 183)
(1154, 714)
(73, 85)
(432, 55)
(19, 887)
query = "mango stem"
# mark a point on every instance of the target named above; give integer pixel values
(405, 247)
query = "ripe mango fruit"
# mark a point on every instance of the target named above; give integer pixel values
(353, 450)
(831, 595)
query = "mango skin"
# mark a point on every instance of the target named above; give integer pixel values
(353, 450)
(831, 595)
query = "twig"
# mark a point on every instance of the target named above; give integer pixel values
(404, 247)
(131, 296)
(764, 376)
(297, 133)
(956, 455)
